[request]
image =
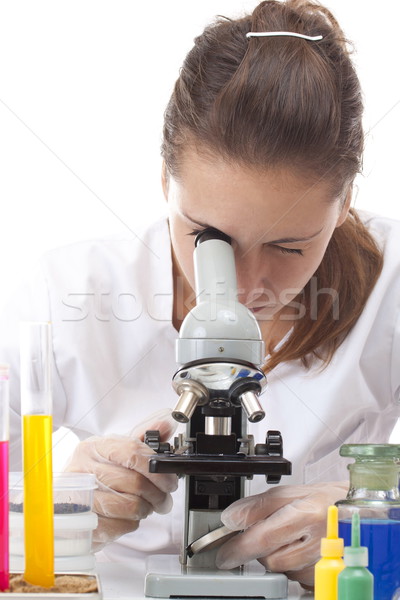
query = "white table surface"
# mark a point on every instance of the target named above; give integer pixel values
(126, 582)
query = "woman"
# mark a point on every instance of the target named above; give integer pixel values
(262, 140)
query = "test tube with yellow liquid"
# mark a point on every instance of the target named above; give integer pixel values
(36, 409)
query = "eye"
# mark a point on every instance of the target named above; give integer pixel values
(289, 250)
(195, 231)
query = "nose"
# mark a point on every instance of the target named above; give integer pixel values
(252, 276)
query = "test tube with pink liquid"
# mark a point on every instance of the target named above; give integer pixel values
(4, 438)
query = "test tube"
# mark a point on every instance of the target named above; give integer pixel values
(4, 437)
(37, 426)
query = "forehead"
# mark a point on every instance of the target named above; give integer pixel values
(223, 194)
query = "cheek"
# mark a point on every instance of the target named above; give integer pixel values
(289, 274)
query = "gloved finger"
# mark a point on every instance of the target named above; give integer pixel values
(161, 504)
(125, 506)
(295, 556)
(111, 529)
(161, 420)
(135, 455)
(238, 550)
(114, 478)
(93, 453)
(245, 512)
(266, 537)
(305, 577)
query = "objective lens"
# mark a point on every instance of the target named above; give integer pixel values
(191, 394)
(185, 406)
(252, 407)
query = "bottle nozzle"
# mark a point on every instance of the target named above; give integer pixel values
(355, 555)
(332, 528)
(355, 530)
(332, 545)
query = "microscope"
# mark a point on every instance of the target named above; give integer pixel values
(219, 381)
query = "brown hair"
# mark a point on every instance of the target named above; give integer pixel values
(284, 101)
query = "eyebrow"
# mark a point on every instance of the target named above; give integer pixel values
(288, 240)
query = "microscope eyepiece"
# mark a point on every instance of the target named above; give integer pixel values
(211, 234)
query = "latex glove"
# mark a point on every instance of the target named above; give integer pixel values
(282, 527)
(127, 492)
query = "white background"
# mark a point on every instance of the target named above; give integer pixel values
(83, 87)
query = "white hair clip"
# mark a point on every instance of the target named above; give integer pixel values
(314, 38)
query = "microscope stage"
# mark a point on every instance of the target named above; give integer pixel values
(214, 464)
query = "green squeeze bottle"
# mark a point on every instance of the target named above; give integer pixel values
(355, 582)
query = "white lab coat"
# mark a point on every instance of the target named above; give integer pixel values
(110, 303)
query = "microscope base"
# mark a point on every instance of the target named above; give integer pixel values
(167, 578)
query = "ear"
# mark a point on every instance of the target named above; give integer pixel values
(344, 211)
(164, 180)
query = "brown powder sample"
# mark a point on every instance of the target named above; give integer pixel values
(75, 584)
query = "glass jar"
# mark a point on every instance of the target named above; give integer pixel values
(374, 494)
(74, 521)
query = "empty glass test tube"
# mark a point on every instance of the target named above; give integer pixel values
(37, 426)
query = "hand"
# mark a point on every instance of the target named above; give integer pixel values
(283, 529)
(127, 492)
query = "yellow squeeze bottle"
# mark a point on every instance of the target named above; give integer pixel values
(331, 563)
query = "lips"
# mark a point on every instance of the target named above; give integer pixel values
(266, 307)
